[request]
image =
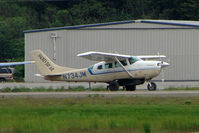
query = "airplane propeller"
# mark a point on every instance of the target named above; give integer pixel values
(163, 64)
(162, 73)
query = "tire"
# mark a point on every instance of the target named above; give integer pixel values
(113, 86)
(152, 87)
(130, 87)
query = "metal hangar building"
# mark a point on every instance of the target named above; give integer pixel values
(178, 40)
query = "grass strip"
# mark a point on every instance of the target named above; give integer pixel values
(99, 114)
(50, 89)
(78, 88)
(182, 88)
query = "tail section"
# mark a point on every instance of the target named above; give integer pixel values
(45, 65)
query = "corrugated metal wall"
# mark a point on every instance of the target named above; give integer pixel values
(179, 45)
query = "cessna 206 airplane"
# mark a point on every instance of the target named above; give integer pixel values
(114, 69)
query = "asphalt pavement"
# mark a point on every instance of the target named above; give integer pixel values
(54, 84)
(138, 93)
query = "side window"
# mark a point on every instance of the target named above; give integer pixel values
(108, 65)
(124, 63)
(117, 64)
(9, 70)
(5, 71)
(99, 67)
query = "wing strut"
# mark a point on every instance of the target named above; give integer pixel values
(124, 67)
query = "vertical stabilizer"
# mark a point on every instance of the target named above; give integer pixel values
(45, 65)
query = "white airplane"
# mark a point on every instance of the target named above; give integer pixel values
(5, 64)
(114, 69)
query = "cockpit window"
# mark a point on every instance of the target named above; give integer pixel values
(124, 62)
(99, 67)
(108, 65)
(133, 60)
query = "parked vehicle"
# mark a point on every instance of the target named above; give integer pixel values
(6, 74)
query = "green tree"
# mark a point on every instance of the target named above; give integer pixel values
(15, 17)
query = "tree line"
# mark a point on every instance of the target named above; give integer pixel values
(19, 15)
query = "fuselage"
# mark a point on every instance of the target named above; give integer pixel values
(109, 71)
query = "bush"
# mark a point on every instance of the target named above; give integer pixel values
(21, 89)
(61, 89)
(39, 89)
(7, 89)
(79, 88)
(188, 102)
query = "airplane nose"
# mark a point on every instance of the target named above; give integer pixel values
(164, 64)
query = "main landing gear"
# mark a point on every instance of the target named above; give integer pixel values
(113, 86)
(129, 86)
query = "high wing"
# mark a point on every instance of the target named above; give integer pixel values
(101, 56)
(15, 63)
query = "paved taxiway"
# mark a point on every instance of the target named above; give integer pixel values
(101, 94)
(160, 85)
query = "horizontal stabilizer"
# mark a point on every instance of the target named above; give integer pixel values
(15, 63)
(38, 75)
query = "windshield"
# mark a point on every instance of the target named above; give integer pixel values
(91, 67)
(133, 59)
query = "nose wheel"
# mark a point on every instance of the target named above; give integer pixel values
(151, 86)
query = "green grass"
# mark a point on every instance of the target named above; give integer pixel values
(99, 114)
(50, 89)
(182, 88)
(78, 88)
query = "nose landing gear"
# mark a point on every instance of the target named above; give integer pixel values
(151, 86)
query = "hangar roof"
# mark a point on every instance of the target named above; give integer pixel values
(164, 22)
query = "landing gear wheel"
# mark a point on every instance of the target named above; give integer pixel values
(113, 86)
(130, 87)
(151, 86)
